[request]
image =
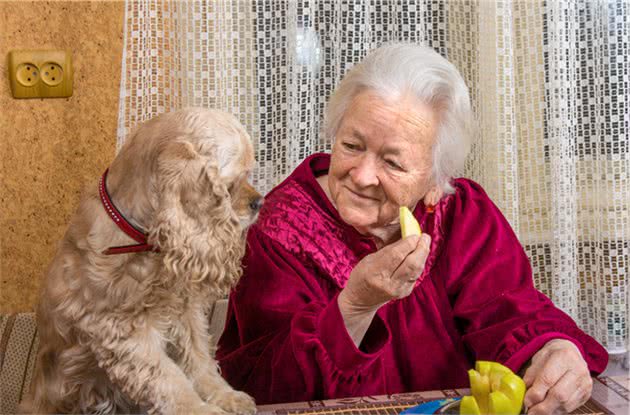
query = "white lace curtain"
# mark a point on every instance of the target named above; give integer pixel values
(549, 82)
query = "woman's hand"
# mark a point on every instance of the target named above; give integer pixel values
(558, 379)
(384, 275)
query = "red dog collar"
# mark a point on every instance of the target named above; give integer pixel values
(122, 223)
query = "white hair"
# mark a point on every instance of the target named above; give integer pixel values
(396, 71)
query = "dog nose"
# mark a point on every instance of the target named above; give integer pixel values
(256, 204)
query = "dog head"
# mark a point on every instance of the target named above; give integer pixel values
(183, 177)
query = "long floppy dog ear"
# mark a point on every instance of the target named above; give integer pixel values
(195, 227)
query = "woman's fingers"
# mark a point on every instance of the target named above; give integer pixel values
(582, 394)
(544, 378)
(393, 255)
(388, 273)
(413, 264)
(565, 395)
(558, 380)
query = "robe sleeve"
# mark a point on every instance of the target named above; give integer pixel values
(285, 339)
(500, 314)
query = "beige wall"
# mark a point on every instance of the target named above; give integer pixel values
(51, 149)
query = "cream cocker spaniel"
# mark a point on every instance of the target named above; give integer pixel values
(123, 311)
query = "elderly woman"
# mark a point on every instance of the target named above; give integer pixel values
(333, 303)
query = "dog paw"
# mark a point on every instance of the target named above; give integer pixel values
(235, 402)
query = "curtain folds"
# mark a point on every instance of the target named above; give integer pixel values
(549, 82)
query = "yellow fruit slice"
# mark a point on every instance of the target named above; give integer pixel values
(408, 224)
(495, 390)
(469, 406)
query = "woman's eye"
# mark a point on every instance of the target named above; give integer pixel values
(350, 146)
(393, 164)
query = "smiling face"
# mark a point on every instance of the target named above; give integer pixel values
(381, 160)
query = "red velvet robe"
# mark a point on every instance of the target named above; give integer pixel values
(285, 339)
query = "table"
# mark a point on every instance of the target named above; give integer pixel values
(611, 395)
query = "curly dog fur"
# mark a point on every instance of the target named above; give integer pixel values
(129, 332)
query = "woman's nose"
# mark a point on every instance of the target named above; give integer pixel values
(364, 174)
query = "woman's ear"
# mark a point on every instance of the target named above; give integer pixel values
(433, 196)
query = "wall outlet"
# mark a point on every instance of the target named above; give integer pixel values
(40, 73)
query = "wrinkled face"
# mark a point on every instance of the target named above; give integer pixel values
(381, 160)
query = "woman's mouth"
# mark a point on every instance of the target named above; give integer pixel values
(361, 195)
